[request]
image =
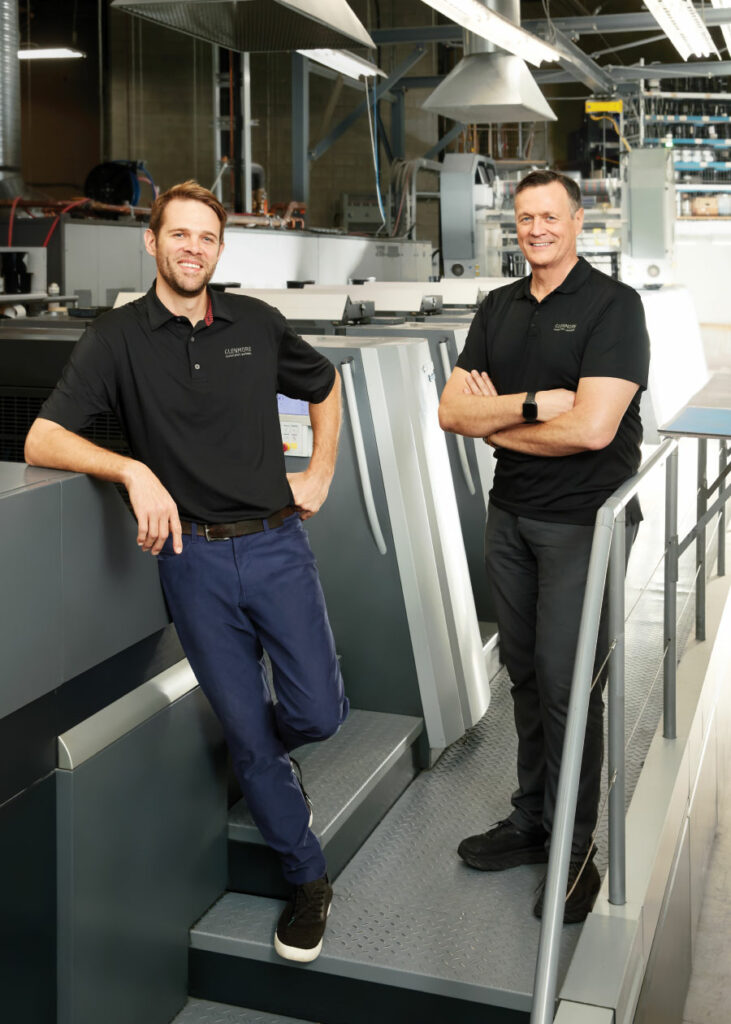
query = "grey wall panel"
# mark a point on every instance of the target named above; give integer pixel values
(31, 629)
(142, 853)
(111, 590)
(28, 906)
(668, 968)
(703, 824)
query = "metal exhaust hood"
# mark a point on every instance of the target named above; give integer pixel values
(490, 88)
(257, 25)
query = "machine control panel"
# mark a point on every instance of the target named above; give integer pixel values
(294, 422)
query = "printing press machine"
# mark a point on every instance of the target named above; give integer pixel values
(115, 829)
(113, 762)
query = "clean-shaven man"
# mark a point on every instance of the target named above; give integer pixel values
(550, 376)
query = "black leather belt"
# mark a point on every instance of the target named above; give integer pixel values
(224, 531)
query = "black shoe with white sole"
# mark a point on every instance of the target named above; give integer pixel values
(301, 927)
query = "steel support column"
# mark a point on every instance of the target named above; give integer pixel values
(384, 86)
(445, 140)
(398, 125)
(246, 131)
(217, 152)
(300, 128)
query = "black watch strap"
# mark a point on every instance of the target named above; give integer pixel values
(530, 407)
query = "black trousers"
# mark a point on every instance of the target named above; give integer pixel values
(538, 576)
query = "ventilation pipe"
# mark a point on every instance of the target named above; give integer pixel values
(489, 86)
(11, 179)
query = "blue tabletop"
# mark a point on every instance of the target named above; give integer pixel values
(695, 421)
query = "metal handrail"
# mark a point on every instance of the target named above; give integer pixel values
(607, 551)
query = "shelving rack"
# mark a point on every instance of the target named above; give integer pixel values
(696, 125)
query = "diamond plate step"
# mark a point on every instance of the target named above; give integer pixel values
(414, 934)
(200, 1011)
(352, 779)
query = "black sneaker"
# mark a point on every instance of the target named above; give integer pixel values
(297, 772)
(302, 924)
(582, 889)
(503, 846)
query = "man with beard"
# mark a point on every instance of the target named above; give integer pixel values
(193, 376)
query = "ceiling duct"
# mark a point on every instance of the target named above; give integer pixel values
(11, 179)
(257, 26)
(489, 86)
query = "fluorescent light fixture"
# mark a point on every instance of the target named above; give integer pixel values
(681, 23)
(481, 21)
(344, 62)
(726, 29)
(54, 53)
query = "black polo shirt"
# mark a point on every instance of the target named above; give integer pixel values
(198, 404)
(590, 326)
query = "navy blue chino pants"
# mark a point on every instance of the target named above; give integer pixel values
(230, 600)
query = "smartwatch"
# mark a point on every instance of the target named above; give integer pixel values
(530, 408)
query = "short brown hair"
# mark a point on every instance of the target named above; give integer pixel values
(186, 190)
(537, 178)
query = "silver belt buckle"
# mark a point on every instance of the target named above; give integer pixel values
(208, 536)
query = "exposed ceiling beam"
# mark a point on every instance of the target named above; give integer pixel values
(418, 34)
(579, 65)
(635, 72)
(589, 24)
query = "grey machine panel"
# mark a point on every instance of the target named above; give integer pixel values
(389, 545)
(28, 901)
(72, 573)
(141, 837)
(470, 459)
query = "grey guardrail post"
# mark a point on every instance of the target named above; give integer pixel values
(700, 542)
(722, 456)
(670, 658)
(544, 988)
(615, 688)
(544, 992)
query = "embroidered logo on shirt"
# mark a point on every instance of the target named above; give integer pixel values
(568, 328)
(238, 350)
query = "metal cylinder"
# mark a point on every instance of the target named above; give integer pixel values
(509, 9)
(11, 179)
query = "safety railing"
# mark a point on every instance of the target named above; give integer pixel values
(607, 566)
